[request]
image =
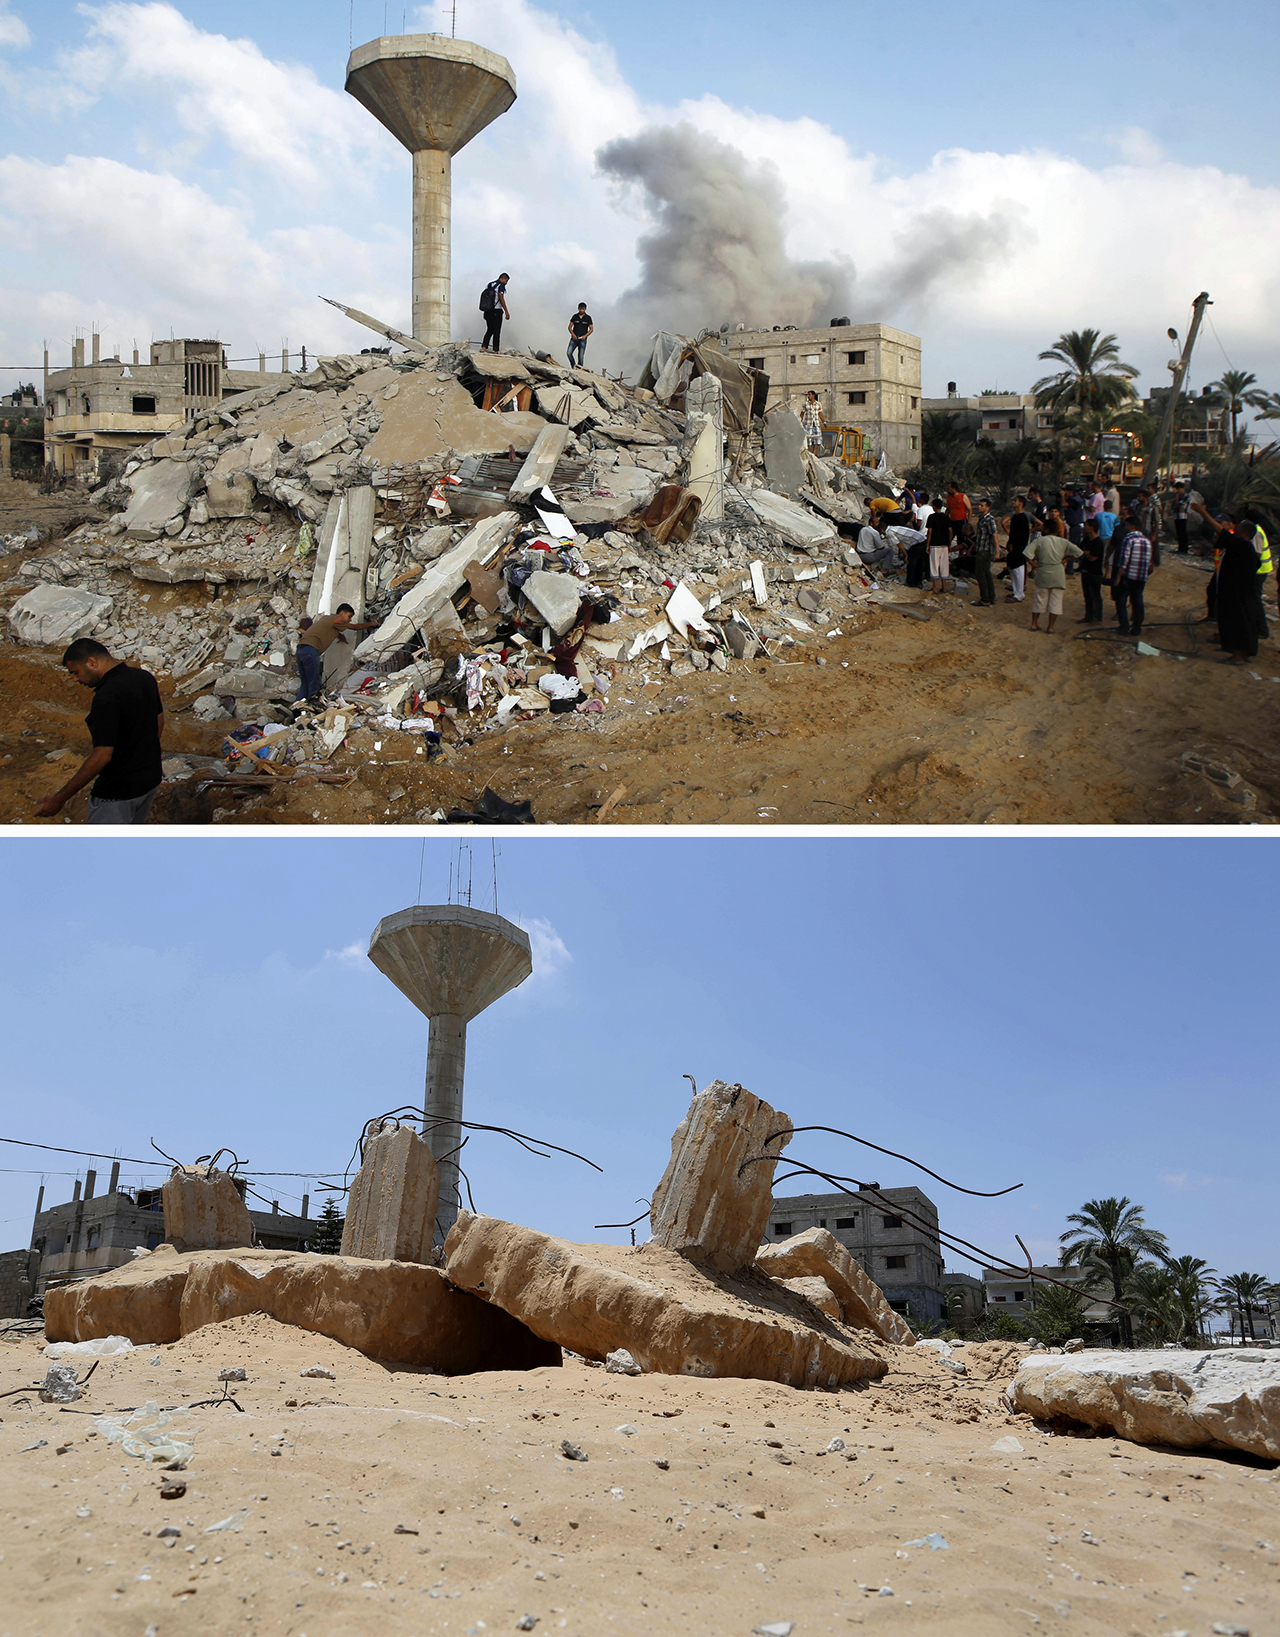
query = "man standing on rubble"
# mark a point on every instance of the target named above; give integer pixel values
(313, 643)
(811, 419)
(125, 722)
(493, 304)
(581, 326)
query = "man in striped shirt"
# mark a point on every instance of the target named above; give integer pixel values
(1132, 571)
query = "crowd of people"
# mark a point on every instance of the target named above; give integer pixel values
(1092, 534)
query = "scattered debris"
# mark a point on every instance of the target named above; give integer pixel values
(319, 1371)
(620, 1362)
(147, 1432)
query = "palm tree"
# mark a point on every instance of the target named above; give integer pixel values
(1246, 1291)
(947, 449)
(1268, 406)
(1236, 391)
(1108, 1235)
(1006, 464)
(1092, 374)
(1058, 1315)
(1193, 1279)
(1151, 1292)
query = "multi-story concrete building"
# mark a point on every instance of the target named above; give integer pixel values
(106, 405)
(865, 375)
(1002, 417)
(92, 1233)
(1015, 1293)
(901, 1255)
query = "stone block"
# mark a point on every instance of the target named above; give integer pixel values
(557, 598)
(672, 1317)
(397, 1311)
(160, 490)
(263, 458)
(391, 1208)
(817, 1291)
(571, 406)
(817, 1253)
(54, 615)
(203, 1210)
(1191, 1400)
(231, 496)
(702, 1207)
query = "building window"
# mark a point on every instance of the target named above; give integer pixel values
(793, 358)
(857, 357)
(915, 443)
(782, 1230)
(915, 403)
(812, 358)
(822, 1221)
(991, 426)
(1002, 1298)
(94, 1239)
(1019, 1295)
(143, 406)
(153, 1239)
(857, 397)
(847, 1221)
(902, 1307)
(755, 363)
(891, 1221)
(1044, 422)
(895, 1261)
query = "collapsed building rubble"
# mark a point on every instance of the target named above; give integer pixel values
(526, 538)
(692, 1301)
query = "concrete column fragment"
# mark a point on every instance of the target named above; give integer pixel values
(704, 422)
(817, 1253)
(342, 556)
(203, 1210)
(391, 1209)
(702, 1207)
(540, 462)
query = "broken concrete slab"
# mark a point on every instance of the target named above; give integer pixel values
(784, 451)
(229, 496)
(391, 1208)
(55, 615)
(817, 1253)
(625, 491)
(428, 417)
(704, 419)
(556, 597)
(540, 462)
(1191, 1400)
(263, 455)
(798, 527)
(342, 555)
(573, 406)
(203, 1210)
(160, 491)
(438, 583)
(709, 1205)
(402, 1312)
(817, 1291)
(672, 1317)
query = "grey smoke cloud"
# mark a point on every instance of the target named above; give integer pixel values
(717, 252)
(940, 247)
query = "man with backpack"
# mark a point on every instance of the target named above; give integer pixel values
(493, 304)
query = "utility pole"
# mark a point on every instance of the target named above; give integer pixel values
(1175, 392)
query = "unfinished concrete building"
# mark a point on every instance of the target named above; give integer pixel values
(902, 1258)
(104, 405)
(92, 1233)
(866, 376)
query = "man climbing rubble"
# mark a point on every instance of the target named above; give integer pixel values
(316, 640)
(125, 722)
(493, 304)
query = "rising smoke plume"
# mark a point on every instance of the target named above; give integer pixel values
(717, 253)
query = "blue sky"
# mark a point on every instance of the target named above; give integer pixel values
(1087, 1017)
(992, 177)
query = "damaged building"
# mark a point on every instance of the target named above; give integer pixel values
(866, 376)
(106, 406)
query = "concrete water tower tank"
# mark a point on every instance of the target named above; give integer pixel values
(451, 962)
(433, 94)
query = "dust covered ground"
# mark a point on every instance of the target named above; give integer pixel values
(966, 717)
(395, 1501)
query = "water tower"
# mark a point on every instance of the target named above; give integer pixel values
(433, 94)
(451, 962)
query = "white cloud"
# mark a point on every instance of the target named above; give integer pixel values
(1136, 146)
(352, 955)
(13, 31)
(550, 954)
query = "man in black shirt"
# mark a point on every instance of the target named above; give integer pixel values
(1018, 528)
(125, 722)
(581, 326)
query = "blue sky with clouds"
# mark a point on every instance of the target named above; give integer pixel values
(1087, 1017)
(197, 166)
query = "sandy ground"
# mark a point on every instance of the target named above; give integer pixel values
(966, 717)
(401, 1502)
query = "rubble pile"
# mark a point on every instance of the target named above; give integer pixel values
(524, 536)
(694, 1300)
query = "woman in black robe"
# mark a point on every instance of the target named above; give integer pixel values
(1239, 606)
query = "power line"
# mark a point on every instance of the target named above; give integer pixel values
(91, 1154)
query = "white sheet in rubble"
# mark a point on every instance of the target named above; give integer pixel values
(685, 611)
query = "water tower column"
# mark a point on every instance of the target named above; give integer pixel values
(432, 204)
(446, 1063)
